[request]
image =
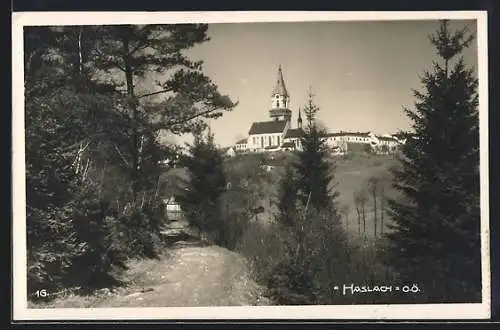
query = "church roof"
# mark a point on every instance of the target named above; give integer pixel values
(294, 133)
(242, 141)
(279, 87)
(268, 127)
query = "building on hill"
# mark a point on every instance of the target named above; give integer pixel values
(294, 137)
(267, 134)
(278, 134)
(387, 144)
(271, 135)
(228, 151)
(241, 145)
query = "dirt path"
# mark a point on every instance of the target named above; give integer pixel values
(189, 276)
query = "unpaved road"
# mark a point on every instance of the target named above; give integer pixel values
(195, 276)
(190, 275)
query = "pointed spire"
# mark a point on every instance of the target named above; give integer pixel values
(280, 88)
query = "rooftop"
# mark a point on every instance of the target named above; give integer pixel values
(360, 134)
(268, 127)
(294, 133)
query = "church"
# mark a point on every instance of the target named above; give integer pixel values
(276, 133)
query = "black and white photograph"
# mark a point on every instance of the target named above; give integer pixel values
(250, 165)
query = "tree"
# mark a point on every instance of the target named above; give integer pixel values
(138, 52)
(201, 202)
(373, 186)
(314, 171)
(316, 241)
(360, 199)
(437, 220)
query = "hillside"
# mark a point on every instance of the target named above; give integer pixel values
(351, 174)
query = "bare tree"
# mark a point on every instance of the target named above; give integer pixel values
(373, 187)
(360, 199)
(344, 210)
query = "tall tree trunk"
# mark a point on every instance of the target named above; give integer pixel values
(80, 50)
(359, 220)
(129, 76)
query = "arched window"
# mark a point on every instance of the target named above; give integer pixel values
(270, 140)
(278, 104)
(262, 142)
(278, 138)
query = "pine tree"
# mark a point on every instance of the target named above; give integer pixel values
(436, 237)
(314, 171)
(201, 202)
(316, 241)
(182, 99)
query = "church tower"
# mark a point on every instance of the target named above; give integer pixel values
(299, 120)
(280, 100)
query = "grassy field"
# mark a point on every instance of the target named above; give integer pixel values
(352, 174)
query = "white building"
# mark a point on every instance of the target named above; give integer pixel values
(278, 134)
(229, 152)
(241, 145)
(274, 134)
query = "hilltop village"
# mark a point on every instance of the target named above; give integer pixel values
(278, 134)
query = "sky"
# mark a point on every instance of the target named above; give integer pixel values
(361, 73)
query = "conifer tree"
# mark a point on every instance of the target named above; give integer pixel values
(314, 171)
(436, 233)
(182, 99)
(201, 202)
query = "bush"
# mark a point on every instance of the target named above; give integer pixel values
(87, 242)
(264, 247)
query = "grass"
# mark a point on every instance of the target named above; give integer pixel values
(351, 174)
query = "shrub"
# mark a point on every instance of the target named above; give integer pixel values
(264, 247)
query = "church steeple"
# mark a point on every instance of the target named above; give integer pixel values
(280, 99)
(279, 87)
(299, 120)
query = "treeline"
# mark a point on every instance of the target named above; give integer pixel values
(92, 150)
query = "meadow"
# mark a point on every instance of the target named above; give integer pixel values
(352, 174)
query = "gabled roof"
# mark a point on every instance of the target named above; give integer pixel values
(360, 134)
(279, 87)
(386, 138)
(294, 133)
(267, 127)
(242, 141)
